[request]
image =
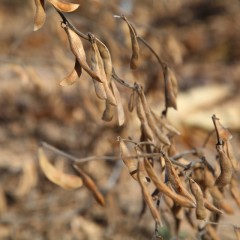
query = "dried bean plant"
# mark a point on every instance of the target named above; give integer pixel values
(183, 187)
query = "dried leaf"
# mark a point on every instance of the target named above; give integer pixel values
(64, 6)
(197, 192)
(183, 201)
(131, 163)
(147, 197)
(72, 77)
(89, 183)
(78, 50)
(40, 15)
(135, 46)
(63, 180)
(225, 166)
(120, 110)
(170, 89)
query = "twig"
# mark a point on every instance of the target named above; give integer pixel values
(180, 155)
(207, 139)
(214, 118)
(70, 25)
(121, 81)
(108, 158)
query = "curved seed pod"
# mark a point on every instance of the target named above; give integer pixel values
(106, 58)
(212, 232)
(182, 201)
(163, 122)
(40, 15)
(64, 6)
(144, 124)
(108, 112)
(175, 180)
(120, 110)
(146, 195)
(235, 190)
(98, 86)
(170, 97)
(222, 132)
(174, 82)
(78, 50)
(197, 192)
(208, 179)
(72, 77)
(132, 101)
(219, 200)
(135, 46)
(151, 121)
(61, 179)
(89, 183)
(211, 207)
(226, 168)
(99, 69)
(231, 156)
(131, 163)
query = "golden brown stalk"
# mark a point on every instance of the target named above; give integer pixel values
(226, 168)
(64, 6)
(135, 46)
(131, 163)
(61, 179)
(197, 192)
(182, 201)
(146, 195)
(100, 71)
(40, 15)
(175, 180)
(78, 50)
(132, 101)
(151, 121)
(89, 183)
(72, 77)
(120, 110)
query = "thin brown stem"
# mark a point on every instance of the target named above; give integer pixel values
(108, 158)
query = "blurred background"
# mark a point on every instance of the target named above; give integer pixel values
(198, 39)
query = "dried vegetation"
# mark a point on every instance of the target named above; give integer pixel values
(181, 189)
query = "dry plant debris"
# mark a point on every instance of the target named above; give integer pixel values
(170, 183)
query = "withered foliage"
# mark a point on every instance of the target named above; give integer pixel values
(180, 185)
